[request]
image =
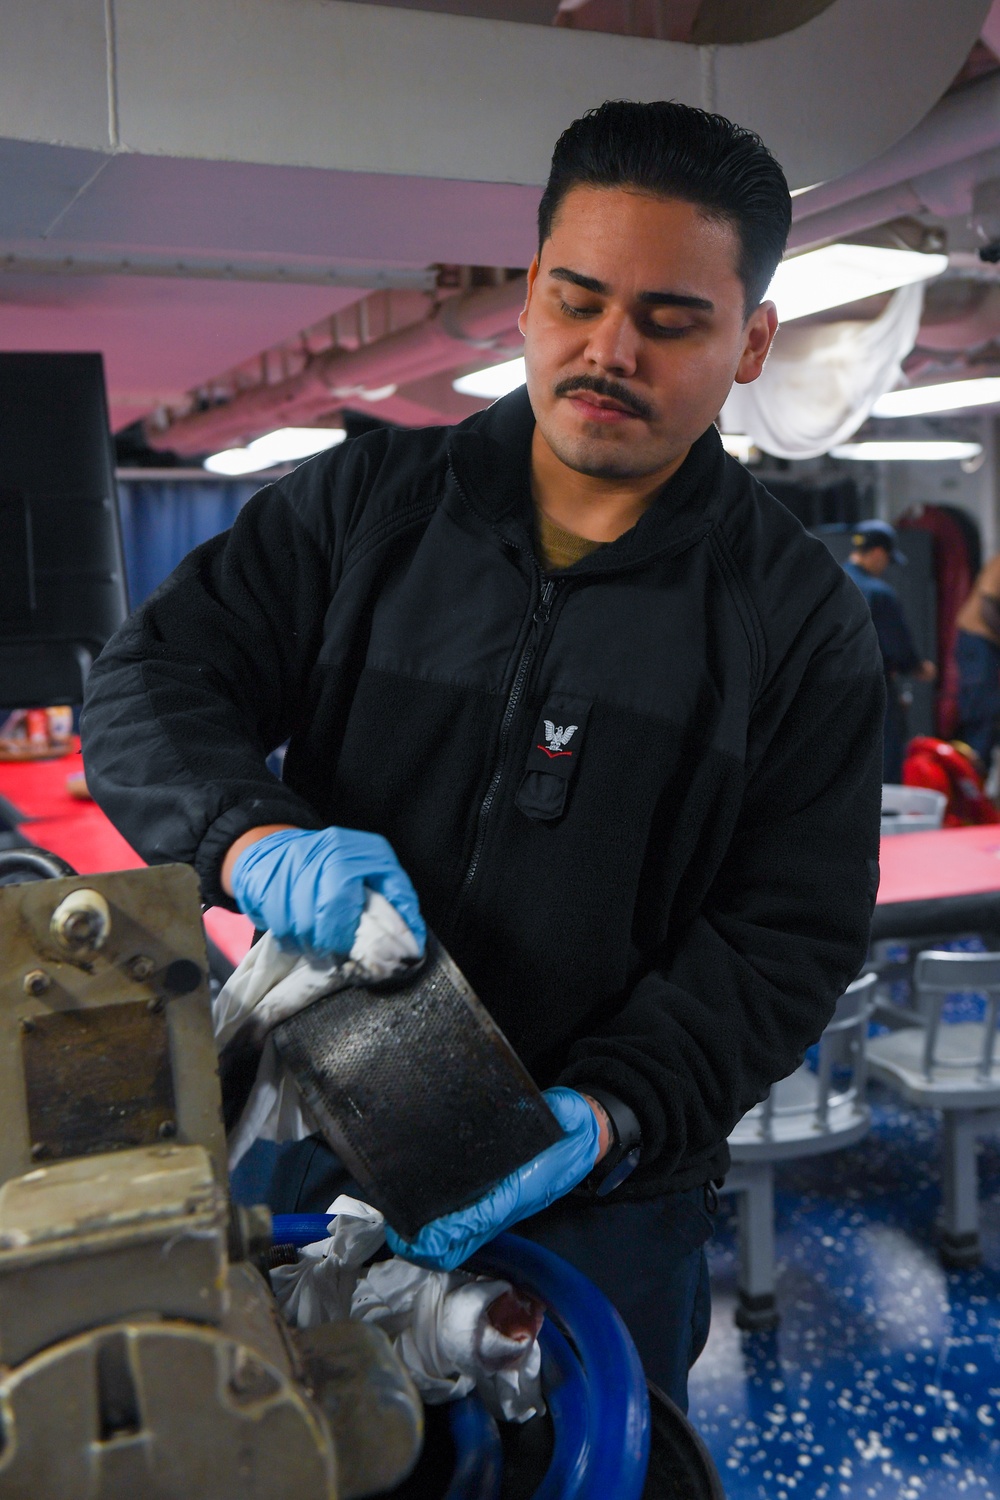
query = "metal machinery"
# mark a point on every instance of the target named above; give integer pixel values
(141, 1353)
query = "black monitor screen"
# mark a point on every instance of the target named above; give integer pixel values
(62, 575)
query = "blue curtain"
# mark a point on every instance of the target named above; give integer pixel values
(162, 519)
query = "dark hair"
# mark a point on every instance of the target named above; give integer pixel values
(672, 150)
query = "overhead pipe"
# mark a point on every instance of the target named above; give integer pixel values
(960, 317)
(481, 320)
(30, 259)
(937, 192)
(856, 216)
(918, 195)
(962, 125)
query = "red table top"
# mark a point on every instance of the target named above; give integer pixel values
(80, 833)
(945, 862)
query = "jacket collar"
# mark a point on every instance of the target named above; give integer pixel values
(490, 454)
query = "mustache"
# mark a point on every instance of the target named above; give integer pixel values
(613, 389)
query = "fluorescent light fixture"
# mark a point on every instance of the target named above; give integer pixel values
(232, 461)
(738, 445)
(283, 446)
(493, 382)
(838, 274)
(953, 395)
(928, 451)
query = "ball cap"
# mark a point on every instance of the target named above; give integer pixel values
(868, 534)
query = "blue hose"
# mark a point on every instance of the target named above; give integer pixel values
(568, 1401)
(617, 1399)
(478, 1455)
(600, 1412)
(300, 1229)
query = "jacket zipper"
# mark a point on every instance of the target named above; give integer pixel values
(539, 618)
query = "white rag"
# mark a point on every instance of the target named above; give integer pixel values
(439, 1322)
(272, 984)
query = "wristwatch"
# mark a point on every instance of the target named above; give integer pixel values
(622, 1156)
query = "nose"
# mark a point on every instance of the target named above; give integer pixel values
(613, 344)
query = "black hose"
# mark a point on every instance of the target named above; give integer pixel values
(31, 863)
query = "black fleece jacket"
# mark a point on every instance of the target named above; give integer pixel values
(665, 903)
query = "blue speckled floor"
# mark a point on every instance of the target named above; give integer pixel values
(883, 1379)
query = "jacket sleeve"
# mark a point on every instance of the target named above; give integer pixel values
(197, 688)
(739, 995)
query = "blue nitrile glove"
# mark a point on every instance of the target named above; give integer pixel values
(446, 1242)
(308, 887)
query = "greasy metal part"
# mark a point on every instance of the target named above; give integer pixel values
(279, 1255)
(81, 922)
(417, 1091)
(249, 1233)
(101, 1237)
(153, 915)
(141, 1351)
(370, 1402)
(252, 1318)
(143, 1407)
(124, 1053)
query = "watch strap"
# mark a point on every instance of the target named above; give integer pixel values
(623, 1154)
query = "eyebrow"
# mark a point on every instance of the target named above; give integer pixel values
(650, 299)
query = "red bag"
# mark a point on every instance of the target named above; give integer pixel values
(951, 769)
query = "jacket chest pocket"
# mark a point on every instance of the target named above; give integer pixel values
(553, 756)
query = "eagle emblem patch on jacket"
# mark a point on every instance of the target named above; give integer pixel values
(555, 738)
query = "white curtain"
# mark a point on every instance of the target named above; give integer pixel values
(821, 382)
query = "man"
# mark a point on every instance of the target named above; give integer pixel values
(977, 657)
(614, 711)
(874, 544)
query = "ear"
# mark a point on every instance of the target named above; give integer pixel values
(532, 276)
(758, 335)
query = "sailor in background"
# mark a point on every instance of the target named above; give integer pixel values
(874, 544)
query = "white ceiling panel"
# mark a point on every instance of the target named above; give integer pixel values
(53, 71)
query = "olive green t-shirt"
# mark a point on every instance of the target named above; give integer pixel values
(558, 549)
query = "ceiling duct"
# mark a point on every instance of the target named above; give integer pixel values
(706, 23)
(963, 125)
(349, 87)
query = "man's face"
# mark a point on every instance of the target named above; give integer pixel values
(634, 330)
(877, 560)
